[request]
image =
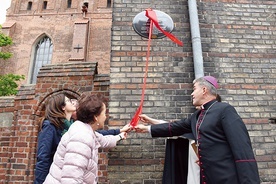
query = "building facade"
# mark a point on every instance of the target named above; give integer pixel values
(84, 46)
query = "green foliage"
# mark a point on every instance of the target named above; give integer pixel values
(8, 85)
(4, 41)
(5, 55)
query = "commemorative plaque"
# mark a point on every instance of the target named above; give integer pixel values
(141, 24)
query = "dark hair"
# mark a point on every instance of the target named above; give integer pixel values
(53, 109)
(89, 107)
(218, 98)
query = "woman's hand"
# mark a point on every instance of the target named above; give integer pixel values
(127, 128)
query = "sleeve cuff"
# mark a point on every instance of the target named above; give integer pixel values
(162, 121)
(149, 129)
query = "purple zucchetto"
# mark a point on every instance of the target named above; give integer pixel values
(211, 80)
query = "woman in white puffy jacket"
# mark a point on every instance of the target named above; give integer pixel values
(76, 158)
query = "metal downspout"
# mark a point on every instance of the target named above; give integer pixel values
(196, 40)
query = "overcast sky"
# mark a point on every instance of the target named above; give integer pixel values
(4, 5)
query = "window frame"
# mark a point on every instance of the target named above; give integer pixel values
(41, 55)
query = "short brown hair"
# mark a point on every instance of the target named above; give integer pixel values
(89, 107)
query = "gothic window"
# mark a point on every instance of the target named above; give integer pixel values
(69, 3)
(86, 4)
(44, 5)
(42, 56)
(30, 4)
(108, 3)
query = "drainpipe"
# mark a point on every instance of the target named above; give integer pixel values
(196, 40)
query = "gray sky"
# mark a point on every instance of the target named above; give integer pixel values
(4, 5)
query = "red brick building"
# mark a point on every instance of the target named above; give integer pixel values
(60, 45)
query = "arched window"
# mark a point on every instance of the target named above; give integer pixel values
(45, 5)
(30, 4)
(108, 4)
(69, 3)
(85, 4)
(42, 56)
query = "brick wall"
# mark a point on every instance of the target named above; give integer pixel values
(170, 74)
(18, 141)
(238, 42)
(6, 118)
(239, 47)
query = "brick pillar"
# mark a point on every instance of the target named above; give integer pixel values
(6, 119)
(18, 143)
(21, 146)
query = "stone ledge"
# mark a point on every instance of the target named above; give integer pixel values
(69, 69)
(6, 101)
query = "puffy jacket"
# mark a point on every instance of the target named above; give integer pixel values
(48, 140)
(76, 158)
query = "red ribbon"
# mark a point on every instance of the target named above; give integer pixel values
(152, 16)
(153, 20)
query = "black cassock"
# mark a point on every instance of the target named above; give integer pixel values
(176, 161)
(225, 151)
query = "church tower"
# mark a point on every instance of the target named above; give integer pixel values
(57, 31)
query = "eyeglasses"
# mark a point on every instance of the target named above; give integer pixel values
(72, 101)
